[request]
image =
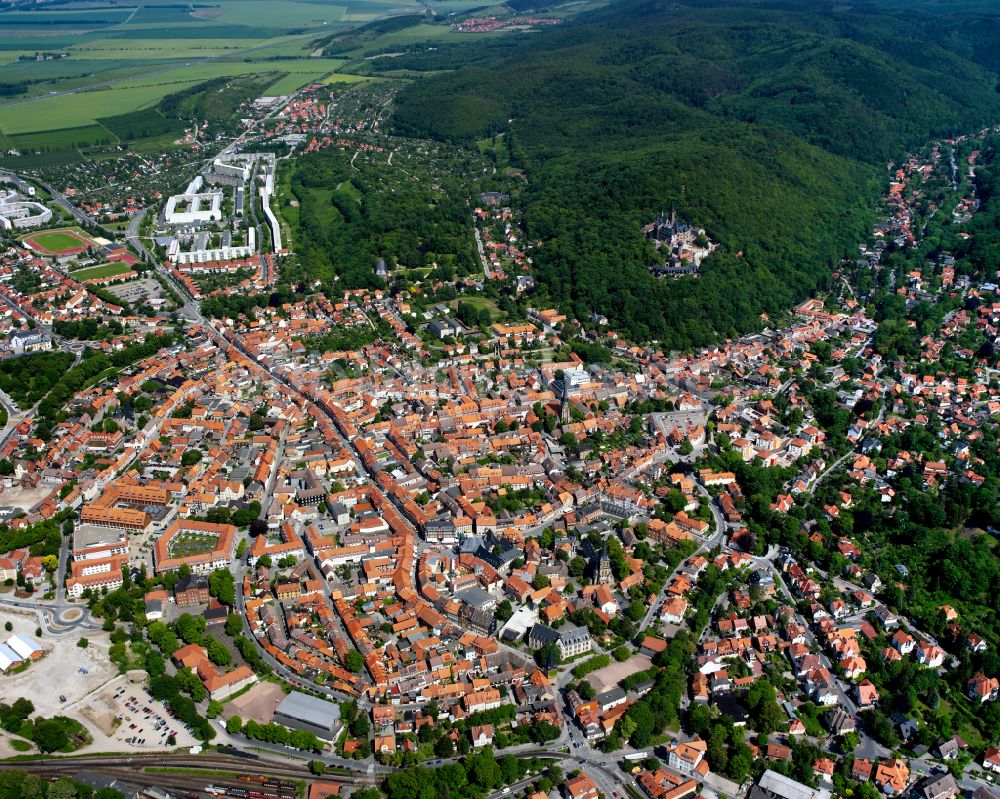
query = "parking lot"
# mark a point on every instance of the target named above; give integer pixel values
(126, 713)
(137, 290)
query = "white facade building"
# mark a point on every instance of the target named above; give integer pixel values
(20, 214)
(178, 256)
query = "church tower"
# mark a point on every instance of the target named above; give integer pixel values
(604, 575)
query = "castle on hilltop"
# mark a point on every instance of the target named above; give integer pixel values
(686, 245)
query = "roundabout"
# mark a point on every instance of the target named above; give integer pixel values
(70, 615)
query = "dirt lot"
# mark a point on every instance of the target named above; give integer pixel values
(91, 697)
(58, 673)
(608, 677)
(22, 621)
(23, 498)
(258, 703)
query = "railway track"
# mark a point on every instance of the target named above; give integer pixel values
(199, 771)
(194, 785)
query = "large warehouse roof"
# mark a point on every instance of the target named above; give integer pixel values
(309, 709)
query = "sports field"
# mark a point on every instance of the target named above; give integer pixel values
(100, 271)
(64, 241)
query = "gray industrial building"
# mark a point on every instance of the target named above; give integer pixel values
(773, 785)
(299, 711)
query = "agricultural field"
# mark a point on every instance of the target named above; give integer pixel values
(140, 124)
(415, 35)
(81, 109)
(65, 21)
(167, 49)
(62, 139)
(389, 35)
(100, 271)
(343, 77)
(292, 82)
(298, 71)
(26, 79)
(103, 69)
(77, 118)
(263, 14)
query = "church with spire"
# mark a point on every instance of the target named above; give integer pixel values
(602, 569)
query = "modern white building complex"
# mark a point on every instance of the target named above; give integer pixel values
(266, 192)
(194, 206)
(232, 170)
(20, 214)
(206, 256)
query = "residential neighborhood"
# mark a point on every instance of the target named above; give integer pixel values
(394, 527)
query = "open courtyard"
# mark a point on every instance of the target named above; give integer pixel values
(188, 543)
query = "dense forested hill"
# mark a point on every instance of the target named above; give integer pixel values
(768, 123)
